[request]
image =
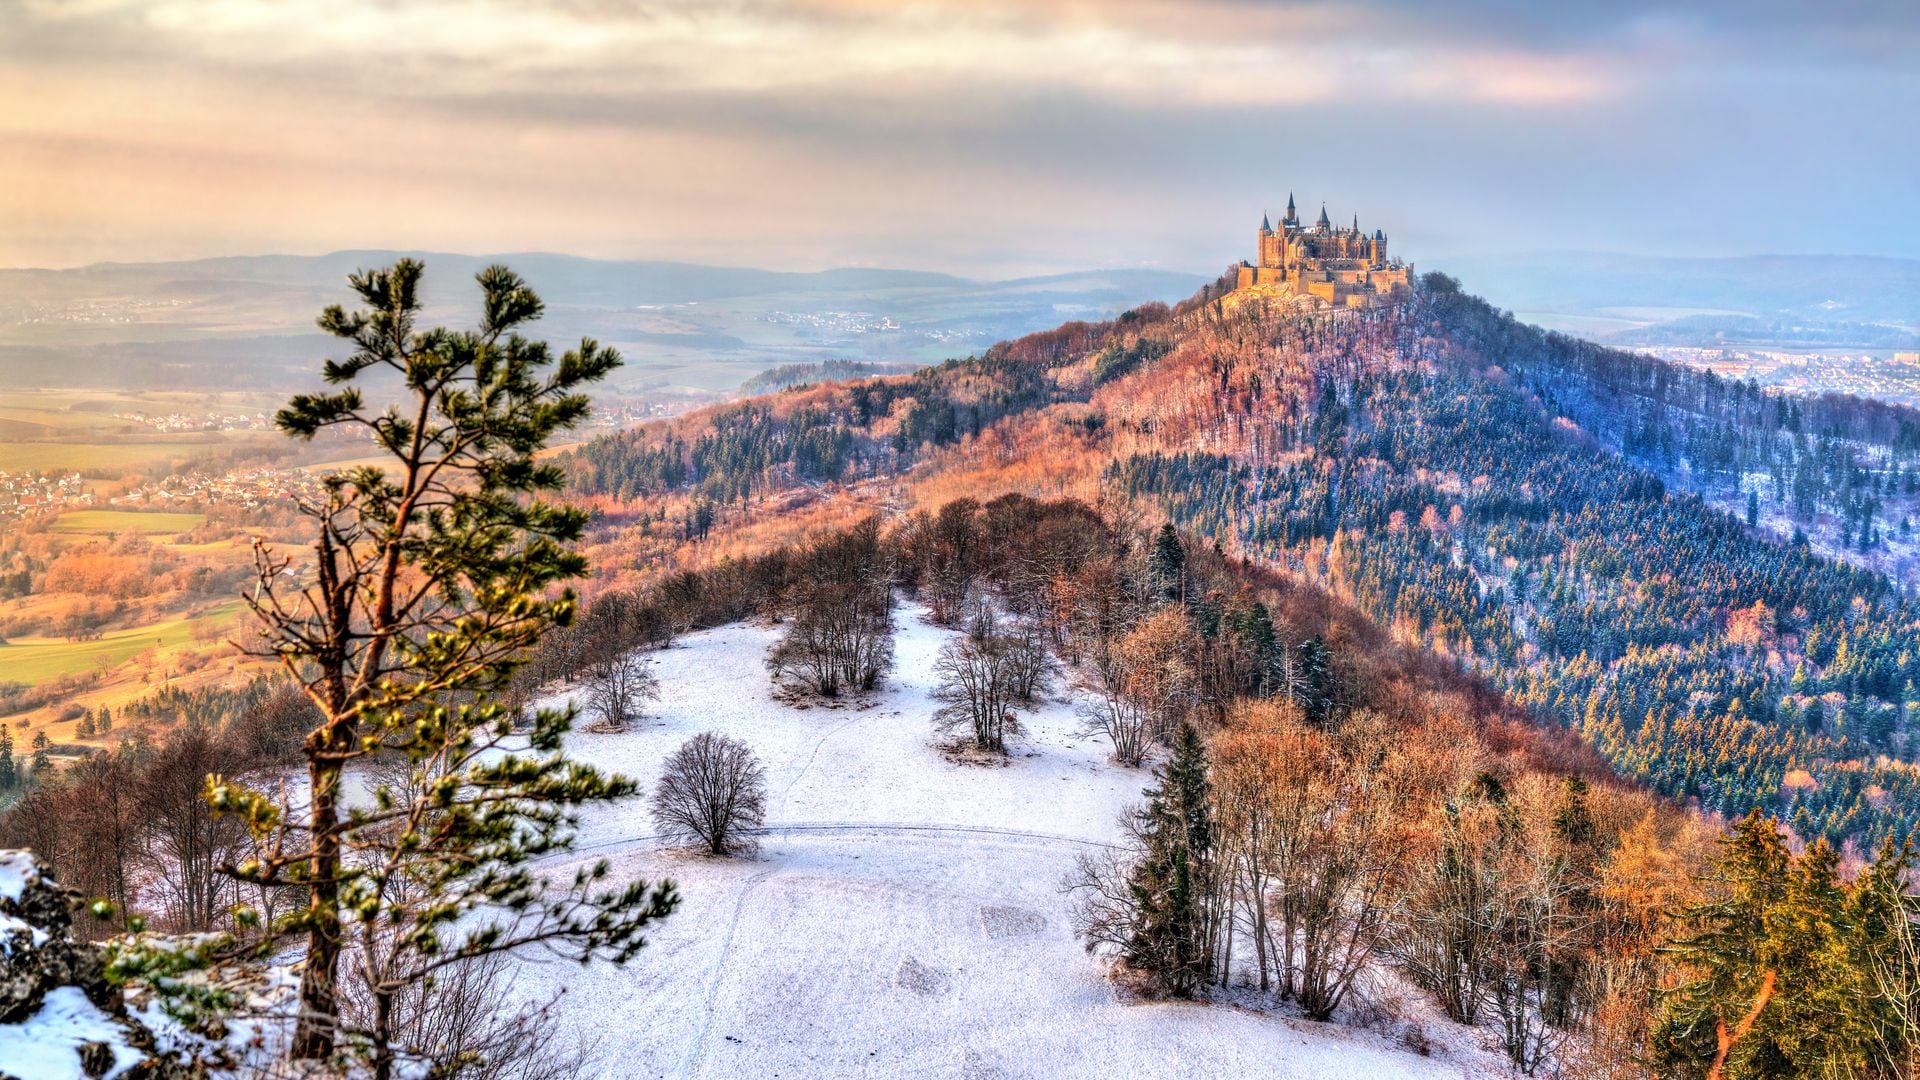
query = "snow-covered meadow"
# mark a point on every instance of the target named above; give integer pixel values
(904, 914)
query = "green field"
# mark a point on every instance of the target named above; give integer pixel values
(37, 660)
(114, 522)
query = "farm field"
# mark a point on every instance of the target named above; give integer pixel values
(33, 660)
(115, 522)
(129, 454)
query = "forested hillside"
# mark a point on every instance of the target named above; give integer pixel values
(1458, 475)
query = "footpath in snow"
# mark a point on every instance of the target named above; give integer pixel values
(904, 914)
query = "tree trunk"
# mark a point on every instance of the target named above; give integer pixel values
(382, 1035)
(319, 1003)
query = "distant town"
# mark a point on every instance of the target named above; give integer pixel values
(1890, 377)
(30, 495)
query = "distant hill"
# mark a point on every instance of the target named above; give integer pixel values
(247, 321)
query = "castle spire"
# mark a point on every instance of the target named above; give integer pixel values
(1324, 222)
(1265, 225)
(1356, 224)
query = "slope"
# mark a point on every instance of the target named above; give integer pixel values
(904, 915)
(1427, 463)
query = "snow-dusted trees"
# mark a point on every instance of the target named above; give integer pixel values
(616, 689)
(840, 639)
(980, 678)
(712, 791)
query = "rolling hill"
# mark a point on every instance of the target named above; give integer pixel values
(246, 322)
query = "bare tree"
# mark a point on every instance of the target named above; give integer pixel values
(465, 1026)
(1034, 667)
(1148, 685)
(1126, 723)
(1106, 914)
(712, 790)
(841, 639)
(188, 843)
(978, 682)
(616, 689)
(944, 553)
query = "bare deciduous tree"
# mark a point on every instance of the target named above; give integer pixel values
(841, 639)
(466, 1026)
(616, 689)
(1130, 726)
(979, 685)
(188, 842)
(1034, 667)
(1148, 684)
(712, 790)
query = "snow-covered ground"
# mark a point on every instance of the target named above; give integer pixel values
(912, 922)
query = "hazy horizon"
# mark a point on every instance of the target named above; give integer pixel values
(822, 268)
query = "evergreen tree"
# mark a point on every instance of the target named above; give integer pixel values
(1789, 972)
(1314, 685)
(431, 578)
(1166, 565)
(9, 771)
(1171, 884)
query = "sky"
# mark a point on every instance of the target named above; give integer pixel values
(982, 137)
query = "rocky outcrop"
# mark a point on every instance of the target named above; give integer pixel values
(59, 1014)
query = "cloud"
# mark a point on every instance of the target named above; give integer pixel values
(985, 135)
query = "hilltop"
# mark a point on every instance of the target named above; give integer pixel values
(1513, 501)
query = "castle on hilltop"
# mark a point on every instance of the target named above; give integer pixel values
(1343, 267)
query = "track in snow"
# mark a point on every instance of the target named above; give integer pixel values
(874, 827)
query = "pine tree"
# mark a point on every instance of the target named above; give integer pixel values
(1171, 884)
(1313, 687)
(9, 771)
(1166, 565)
(431, 577)
(1723, 955)
(1791, 973)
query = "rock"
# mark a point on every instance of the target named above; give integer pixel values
(58, 1010)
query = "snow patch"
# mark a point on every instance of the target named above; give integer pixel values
(904, 915)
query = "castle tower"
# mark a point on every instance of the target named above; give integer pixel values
(1267, 244)
(1324, 224)
(1292, 220)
